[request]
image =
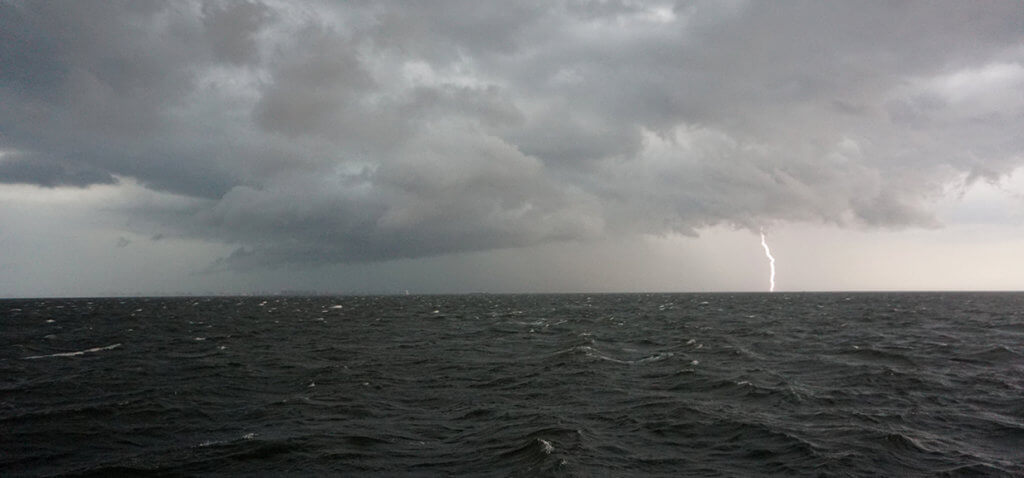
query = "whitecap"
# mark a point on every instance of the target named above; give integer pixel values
(73, 354)
(207, 443)
(339, 306)
(656, 357)
(546, 446)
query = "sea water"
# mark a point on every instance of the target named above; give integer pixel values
(881, 384)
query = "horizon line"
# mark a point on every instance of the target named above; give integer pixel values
(312, 294)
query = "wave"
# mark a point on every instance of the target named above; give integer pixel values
(74, 354)
(992, 355)
(590, 351)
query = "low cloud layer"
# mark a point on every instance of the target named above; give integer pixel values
(364, 131)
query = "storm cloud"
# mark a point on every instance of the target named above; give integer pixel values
(345, 132)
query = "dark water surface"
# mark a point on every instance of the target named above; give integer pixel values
(520, 385)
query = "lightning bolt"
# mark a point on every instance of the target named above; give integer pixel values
(771, 262)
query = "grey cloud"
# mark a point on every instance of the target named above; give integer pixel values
(889, 210)
(311, 91)
(239, 259)
(368, 131)
(232, 28)
(482, 195)
(445, 31)
(33, 169)
(32, 65)
(561, 136)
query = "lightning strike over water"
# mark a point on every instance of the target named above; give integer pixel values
(771, 262)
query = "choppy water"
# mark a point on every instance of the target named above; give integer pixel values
(520, 385)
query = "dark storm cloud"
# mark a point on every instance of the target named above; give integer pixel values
(362, 131)
(33, 169)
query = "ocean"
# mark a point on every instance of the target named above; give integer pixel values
(808, 384)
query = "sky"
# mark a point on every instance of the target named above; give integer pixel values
(237, 147)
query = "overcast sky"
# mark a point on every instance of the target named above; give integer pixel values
(151, 147)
